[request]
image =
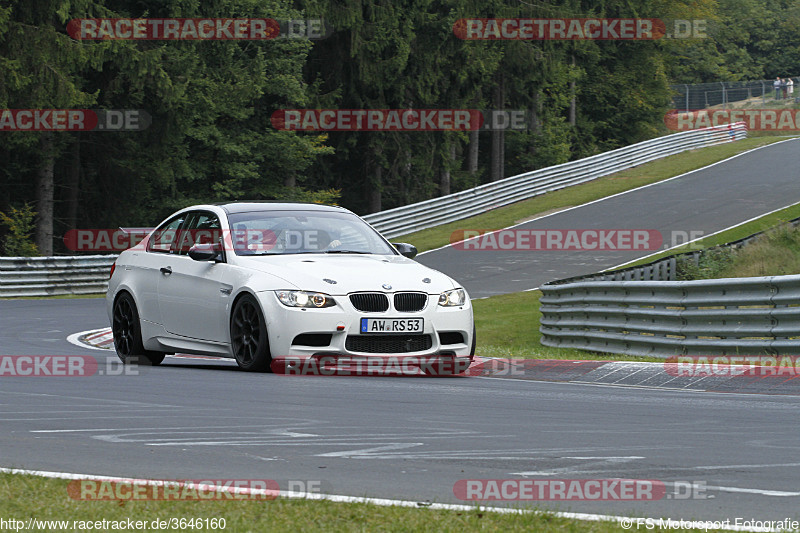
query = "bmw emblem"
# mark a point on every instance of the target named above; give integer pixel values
(387, 286)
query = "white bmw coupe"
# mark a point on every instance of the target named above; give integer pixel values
(258, 280)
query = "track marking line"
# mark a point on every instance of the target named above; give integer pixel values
(761, 492)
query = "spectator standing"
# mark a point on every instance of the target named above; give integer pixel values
(783, 86)
(777, 86)
(789, 87)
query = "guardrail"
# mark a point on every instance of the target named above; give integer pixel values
(641, 310)
(749, 316)
(457, 206)
(51, 276)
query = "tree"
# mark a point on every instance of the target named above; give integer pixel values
(210, 103)
(41, 71)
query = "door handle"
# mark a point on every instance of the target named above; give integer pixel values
(166, 270)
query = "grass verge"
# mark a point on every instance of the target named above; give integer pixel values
(775, 253)
(24, 496)
(625, 180)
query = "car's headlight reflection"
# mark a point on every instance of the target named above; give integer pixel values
(315, 300)
(453, 298)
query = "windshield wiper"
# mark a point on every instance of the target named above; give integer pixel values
(346, 252)
(285, 253)
(319, 252)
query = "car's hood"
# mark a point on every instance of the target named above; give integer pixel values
(351, 273)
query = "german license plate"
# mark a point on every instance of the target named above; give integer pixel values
(391, 325)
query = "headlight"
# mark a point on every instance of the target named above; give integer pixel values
(305, 299)
(453, 298)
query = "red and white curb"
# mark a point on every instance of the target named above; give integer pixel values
(603, 373)
(103, 339)
(96, 339)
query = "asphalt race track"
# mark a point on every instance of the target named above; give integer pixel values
(398, 438)
(414, 438)
(706, 200)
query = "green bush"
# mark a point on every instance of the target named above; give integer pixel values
(774, 253)
(20, 224)
(709, 265)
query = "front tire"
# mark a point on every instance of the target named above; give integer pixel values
(127, 331)
(249, 341)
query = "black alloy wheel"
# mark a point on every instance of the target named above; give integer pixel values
(249, 340)
(127, 333)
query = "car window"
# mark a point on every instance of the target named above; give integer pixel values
(294, 232)
(201, 228)
(163, 237)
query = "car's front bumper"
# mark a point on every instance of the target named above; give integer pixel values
(306, 332)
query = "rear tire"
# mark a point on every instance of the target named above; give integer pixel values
(127, 331)
(249, 341)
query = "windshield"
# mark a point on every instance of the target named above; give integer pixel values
(304, 232)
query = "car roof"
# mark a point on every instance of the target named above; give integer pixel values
(250, 206)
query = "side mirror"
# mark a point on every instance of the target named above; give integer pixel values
(204, 252)
(405, 249)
